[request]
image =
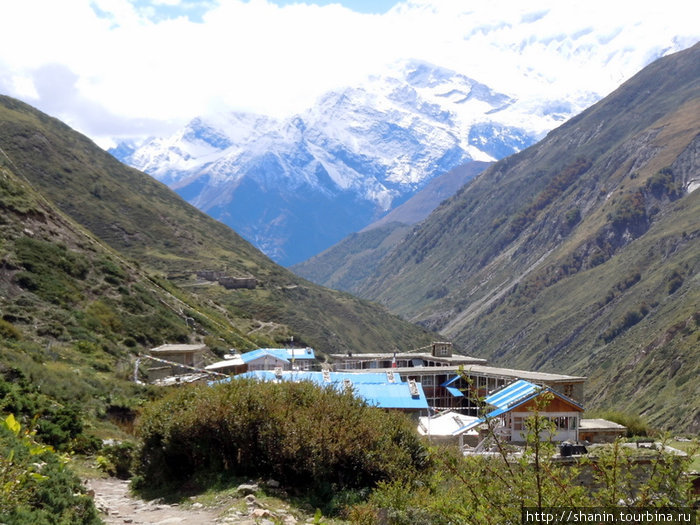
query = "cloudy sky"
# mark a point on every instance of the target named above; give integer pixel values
(122, 68)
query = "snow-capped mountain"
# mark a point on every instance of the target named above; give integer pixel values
(294, 187)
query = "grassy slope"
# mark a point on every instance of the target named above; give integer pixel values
(146, 222)
(352, 260)
(73, 313)
(548, 258)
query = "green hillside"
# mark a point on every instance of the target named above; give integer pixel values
(578, 255)
(348, 263)
(147, 230)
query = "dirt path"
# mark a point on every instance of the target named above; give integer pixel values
(118, 507)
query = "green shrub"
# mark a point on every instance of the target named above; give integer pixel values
(674, 281)
(572, 217)
(36, 485)
(58, 425)
(304, 436)
(629, 319)
(9, 331)
(663, 183)
(629, 212)
(494, 488)
(635, 424)
(117, 459)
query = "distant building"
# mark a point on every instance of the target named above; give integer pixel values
(440, 355)
(188, 355)
(511, 406)
(284, 358)
(600, 431)
(231, 283)
(231, 365)
(453, 381)
(227, 281)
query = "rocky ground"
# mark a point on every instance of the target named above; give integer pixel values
(118, 507)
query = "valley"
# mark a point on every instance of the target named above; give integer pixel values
(419, 300)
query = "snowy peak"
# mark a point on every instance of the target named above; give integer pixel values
(295, 186)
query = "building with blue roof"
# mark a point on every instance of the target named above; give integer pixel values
(512, 405)
(284, 358)
(451, 381)
(380, 389)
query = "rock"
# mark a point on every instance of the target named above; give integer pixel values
(273, 483)
(247, 488)
(250, 499)
(197, 505)
(260, 513)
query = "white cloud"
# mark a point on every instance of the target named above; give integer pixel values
(122, 58)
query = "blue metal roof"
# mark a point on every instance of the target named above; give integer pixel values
(285, 354)
(455, 391)
(261, 352)
(450, 381)
(373, 387)
(391, 395)
(512, 393)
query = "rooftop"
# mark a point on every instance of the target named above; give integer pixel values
(510, 397)
(600, 424)
(284, 354)
(375, 388)
(384, 356)
(178, 348)
(486, 371)
(443, 424)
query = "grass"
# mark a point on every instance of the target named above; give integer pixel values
(689, 447)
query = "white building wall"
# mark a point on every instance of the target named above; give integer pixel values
(567, 425)
(267, 362)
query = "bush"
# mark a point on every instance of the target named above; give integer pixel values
(664, 183)
(9, 331)
(635, 424)
(58, 425)
(674, 281)
(117, 459)
(304, 436)
(629, 212)
(36, 485)
(628, 320)
(494, 488)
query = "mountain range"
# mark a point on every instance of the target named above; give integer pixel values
(580, 254)
(294, 187)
